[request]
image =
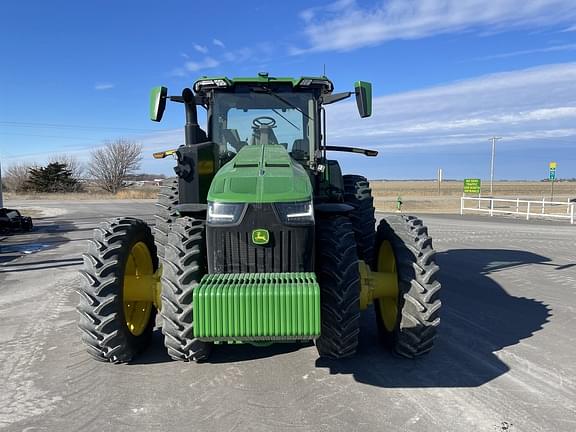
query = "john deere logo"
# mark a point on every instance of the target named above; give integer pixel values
(260, 236)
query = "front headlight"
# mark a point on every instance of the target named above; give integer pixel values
(296, 213)
(224, 213)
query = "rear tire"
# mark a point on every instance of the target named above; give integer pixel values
(357, 193)
(339, 279)
(165, 213)
(418, 304)
(102, 317)
(183, 268)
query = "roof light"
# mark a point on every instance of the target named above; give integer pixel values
(307, 82)
(210, 83)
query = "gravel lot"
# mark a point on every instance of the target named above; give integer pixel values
(504, 359)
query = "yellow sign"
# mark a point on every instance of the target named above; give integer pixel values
(552, 165)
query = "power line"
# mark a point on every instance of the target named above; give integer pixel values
(69, 126)
(50, 136)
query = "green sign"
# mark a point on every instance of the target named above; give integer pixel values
(260, 236)
(552, 175)
(472, 186)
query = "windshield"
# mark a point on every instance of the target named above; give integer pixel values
(253, 118)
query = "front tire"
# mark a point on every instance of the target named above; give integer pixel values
(410, 324)
(116, 328)
(183, 268)
(339, 280)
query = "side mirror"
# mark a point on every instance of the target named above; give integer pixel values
(158, 97)
(363, 90)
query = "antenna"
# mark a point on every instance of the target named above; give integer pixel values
(324, 74)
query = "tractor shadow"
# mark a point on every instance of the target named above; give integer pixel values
(221, 354)
(48, 233)
(478, 318)
(42, 238)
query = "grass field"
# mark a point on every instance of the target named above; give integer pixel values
(132, 193)
(417, 196)
(423, 196)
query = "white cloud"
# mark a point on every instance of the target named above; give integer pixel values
(178, 72)
(206, 63)
(523, 105)
(200, 48)
(345, 25)
(530, 108)
(104, 86)
(239, 55)
(554, 48)
(218, 43)
(570, 29)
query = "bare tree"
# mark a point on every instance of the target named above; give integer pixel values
(73, 164)
(16, 176)
(110, 165)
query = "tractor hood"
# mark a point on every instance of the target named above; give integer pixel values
(261, 174)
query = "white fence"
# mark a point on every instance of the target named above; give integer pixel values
(526, 208)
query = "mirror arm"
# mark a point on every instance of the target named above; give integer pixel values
(199, 100)
(335, 97)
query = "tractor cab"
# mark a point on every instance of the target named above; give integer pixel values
(260, 111)
(261, 114)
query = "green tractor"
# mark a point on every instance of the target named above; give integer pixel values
(259, 238)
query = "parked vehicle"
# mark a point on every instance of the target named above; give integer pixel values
(12, 220)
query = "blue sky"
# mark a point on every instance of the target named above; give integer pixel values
(447, 75)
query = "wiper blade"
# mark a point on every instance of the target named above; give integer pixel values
(280, 98)
(277, 112)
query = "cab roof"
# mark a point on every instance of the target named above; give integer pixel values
(221, 82)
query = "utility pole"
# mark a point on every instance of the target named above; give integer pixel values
(493, 139)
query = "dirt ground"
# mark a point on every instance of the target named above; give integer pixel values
(501, 360)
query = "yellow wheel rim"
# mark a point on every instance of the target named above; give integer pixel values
(137, 312)
(388, 306)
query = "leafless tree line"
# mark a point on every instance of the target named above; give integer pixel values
(108, 166)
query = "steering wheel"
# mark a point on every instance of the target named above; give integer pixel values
(264, 121)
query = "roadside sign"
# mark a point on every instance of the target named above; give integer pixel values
(552, 174)
(552, 177)
(472, 185)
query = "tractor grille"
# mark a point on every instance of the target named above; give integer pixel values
(231, 250)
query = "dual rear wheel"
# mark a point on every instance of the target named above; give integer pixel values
(116, 318)
(118, 311)
(407, 320)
